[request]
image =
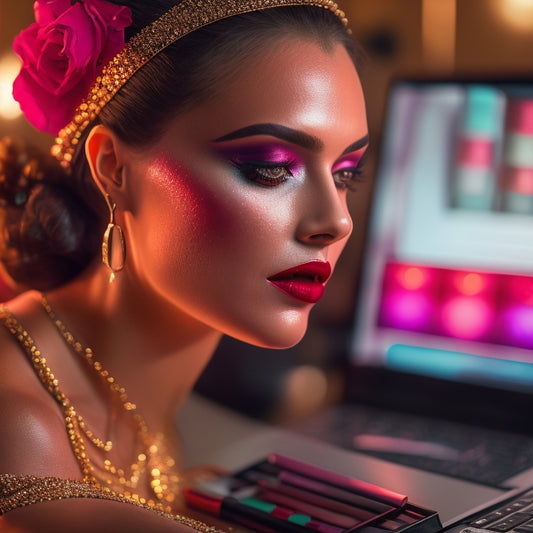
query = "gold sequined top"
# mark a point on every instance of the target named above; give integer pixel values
(21, 491)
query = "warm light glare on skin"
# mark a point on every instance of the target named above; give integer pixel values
(9, 68)
(516, 13)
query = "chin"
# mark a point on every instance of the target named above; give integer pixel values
(277, 336)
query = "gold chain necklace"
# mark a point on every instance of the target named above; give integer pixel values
(47, 489)
(151, 459)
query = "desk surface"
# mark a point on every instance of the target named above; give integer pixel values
(212, 434)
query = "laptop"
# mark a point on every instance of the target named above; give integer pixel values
(440, 356)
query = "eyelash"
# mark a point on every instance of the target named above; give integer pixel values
(257, 172)
(356, 175)
(349, 183)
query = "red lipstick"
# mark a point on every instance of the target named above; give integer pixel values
(304, 282)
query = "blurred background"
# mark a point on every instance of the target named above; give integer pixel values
(402, 38)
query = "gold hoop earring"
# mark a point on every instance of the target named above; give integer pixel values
(113, 245)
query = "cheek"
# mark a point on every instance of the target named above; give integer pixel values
(185, 205)
(201, 216)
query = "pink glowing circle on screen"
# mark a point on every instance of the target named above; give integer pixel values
(410, 277)
(471, 284)
(517, 327)
(467, 317)
(406, 310)
(413, 278)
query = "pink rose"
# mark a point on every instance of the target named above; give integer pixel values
(62, 54)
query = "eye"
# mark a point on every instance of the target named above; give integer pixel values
(264, 173)
(348, 176)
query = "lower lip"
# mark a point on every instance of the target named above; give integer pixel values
(304, 291)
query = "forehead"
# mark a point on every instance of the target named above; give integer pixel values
(294, 82)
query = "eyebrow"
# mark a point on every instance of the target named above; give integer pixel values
(300, 138)
(357, 145)
(293, 136)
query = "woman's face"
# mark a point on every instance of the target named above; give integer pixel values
(238, 213)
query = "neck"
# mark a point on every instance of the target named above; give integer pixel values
(153, 350)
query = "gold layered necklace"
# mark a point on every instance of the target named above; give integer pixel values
(151, 462)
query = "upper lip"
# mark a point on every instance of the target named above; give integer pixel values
(317, 271)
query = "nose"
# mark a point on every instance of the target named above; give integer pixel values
(325, 218)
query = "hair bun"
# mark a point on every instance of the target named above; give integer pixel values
(46, 237)
(21, 169)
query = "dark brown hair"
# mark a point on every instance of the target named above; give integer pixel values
(53, 223)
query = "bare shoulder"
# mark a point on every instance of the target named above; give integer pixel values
(33, 437)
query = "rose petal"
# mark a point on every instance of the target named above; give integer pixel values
(24, 44)
(51, 68)
(36, 105)
(75, 97)
(106, 53)
(80, 44)
(24, 89)
(113, 19)
(46, 11)
(62, 55)
(117, 17)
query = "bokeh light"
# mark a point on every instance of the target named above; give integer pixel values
(406, 310)
(516, 13)
(467, 317)
(9, 68)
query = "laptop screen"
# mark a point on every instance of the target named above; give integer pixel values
(447, 279)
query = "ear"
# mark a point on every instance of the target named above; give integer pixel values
(102, 149)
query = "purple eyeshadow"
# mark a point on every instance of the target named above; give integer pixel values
(269, 153)
(352, 161)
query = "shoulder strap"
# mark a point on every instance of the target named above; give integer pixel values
(51, 384)
(18, 332)
(35, 356)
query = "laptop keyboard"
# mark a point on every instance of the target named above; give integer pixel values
(514, 516)
(461, 451)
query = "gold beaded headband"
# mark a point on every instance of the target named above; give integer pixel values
(180, 20)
